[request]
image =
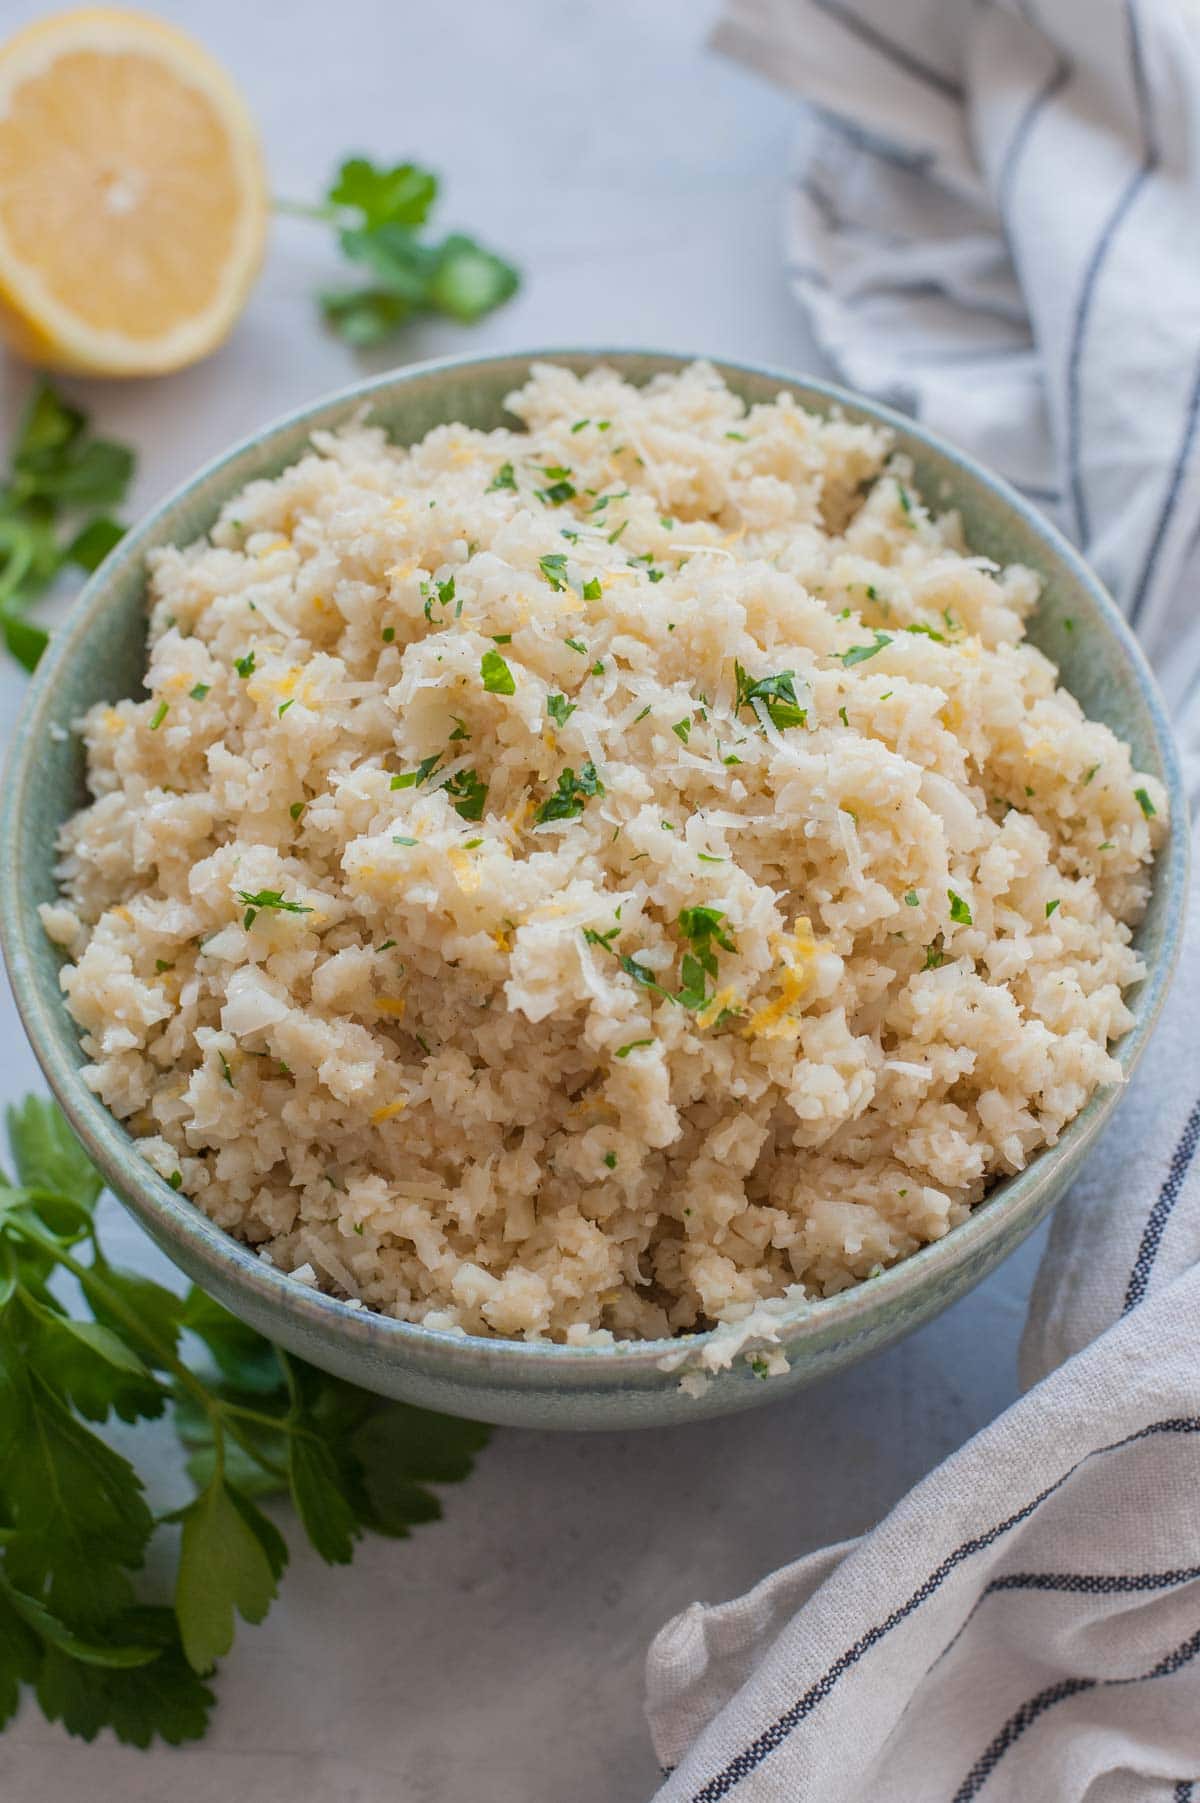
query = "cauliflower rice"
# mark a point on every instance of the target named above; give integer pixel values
(583, 882)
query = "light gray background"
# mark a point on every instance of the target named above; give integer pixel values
(497, 1657)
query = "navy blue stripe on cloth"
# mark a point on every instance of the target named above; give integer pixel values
(1100, 251)
(751, 1757)
(1054, 83)
(1076, 1583)
(895, 53)
(1037, 1706)
(1183, 457)
(1160, 1214)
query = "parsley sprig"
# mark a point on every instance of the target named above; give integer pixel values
(380, 215)
(76, 1623)
(57, 469)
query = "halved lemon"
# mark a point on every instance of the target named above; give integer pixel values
(132, 195)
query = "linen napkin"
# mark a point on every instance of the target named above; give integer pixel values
(994, 223)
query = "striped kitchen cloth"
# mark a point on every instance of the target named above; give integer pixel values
(994, 223)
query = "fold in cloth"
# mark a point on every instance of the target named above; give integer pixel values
(994, 223)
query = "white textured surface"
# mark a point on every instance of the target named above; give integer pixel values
(498, 1656)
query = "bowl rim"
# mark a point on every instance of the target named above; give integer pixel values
(1014, 1200)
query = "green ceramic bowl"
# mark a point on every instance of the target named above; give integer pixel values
(100, 655)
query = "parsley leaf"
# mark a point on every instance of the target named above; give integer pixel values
(412, 779)
(554, 569)
(776, 693)
(468, 793)
(959, 911)
(559, 709)
(858, 654)
(230, 1557)
(261, 900)
(56, 468)
(571, 794)
(497, 677)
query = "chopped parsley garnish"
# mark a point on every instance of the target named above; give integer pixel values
(1050, 907)
(912, 899)
(605, 939)
(842, 716)
(502, 638)
(634, 1045)
(388, 634)
(701, 927)
(498, 679)
(935, 957)
(577, 645)
(598, 668)
(959, 910)
(468, 794)
(642, 975)
(161, 964)
(776, 693)
(858, 654)
(1107, 845)
(176, 1179)
(244, 665)
(471, 844)
(225, 1070)
(571, 794)
(1144, 802)
(615, 535)
(559, 709)
(412, 779)
(759, 1366)
(610, 1159)
(461, 731)
(905, 502)
(930, 632)
(402, 839)
(707, 857)
(296, 809)
(160, 714)
(682, 729)
(261, 901)
(557, 493)
(554, 568)
(1088, 777)
(740, 436)
(284, 706)
(200, 691)
(504, 478)
(593, 589)
(642, 715)
(580, 424)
